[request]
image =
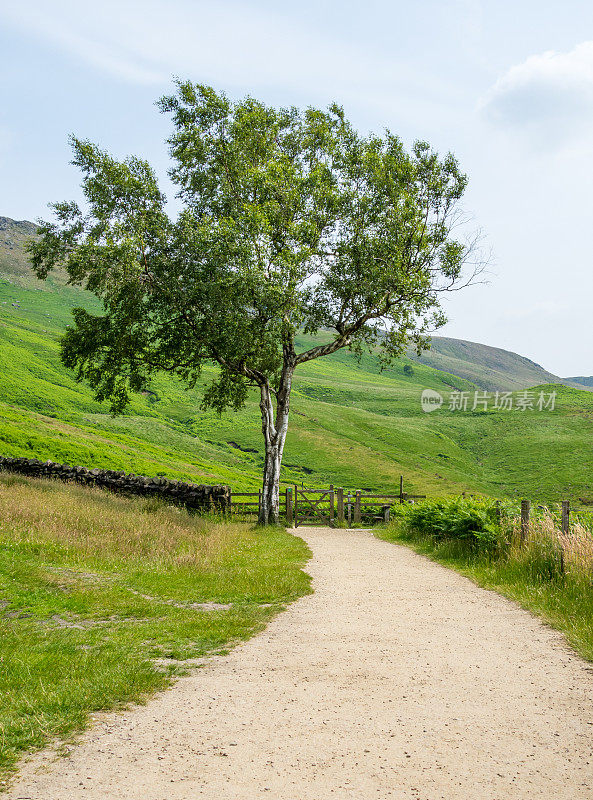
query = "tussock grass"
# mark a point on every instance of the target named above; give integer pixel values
(551, 574)
(103, 599)
(549, 553)
(577, 547)
(94, 524)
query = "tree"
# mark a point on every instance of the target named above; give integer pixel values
(291, 221)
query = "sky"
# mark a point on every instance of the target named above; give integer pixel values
(506, 86)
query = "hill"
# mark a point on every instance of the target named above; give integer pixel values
(490, 368)
(14, 262)
(13, 259)
(581, 380)
(353, 424)
(13, 234)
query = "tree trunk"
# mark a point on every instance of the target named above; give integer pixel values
(274, 428)
(269, 512)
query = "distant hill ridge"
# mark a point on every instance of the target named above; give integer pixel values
(581, 380)
(490, 368)
(13, 259)
(9, 226)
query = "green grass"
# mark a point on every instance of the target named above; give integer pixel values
(97, 601)
(529, 575)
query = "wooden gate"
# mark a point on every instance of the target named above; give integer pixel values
(332, 506)
(313, 506)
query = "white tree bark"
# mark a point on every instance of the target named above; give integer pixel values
(274, 427)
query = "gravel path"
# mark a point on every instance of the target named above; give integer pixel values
(396, 679)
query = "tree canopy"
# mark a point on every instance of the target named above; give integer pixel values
(291, 221)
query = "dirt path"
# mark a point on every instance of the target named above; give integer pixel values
(396, 679)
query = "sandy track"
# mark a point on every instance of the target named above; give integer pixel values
(396, 679)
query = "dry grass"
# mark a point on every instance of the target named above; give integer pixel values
(123, 528)
(577, 546)
(573, 551)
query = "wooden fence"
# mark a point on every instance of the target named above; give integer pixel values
(248, 503)
(525, 523)
(301, 505)
(526, 514)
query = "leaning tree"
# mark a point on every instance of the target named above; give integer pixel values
(291, 222)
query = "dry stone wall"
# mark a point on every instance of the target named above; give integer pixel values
(194, 496)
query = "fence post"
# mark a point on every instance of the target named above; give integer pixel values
(296, 507)
(525, 507)
(259, 504)
(289, 516)
(565, 530)
(340, 504)
(349, 511)
(229, 508)
(401, 488)
(357, 508)
(565, 516)
(386, 513)
(331, 506)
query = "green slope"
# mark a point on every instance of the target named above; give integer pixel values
(46, 413)
(352, 424)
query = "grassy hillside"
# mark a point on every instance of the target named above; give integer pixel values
(46, 413)
(352, 424)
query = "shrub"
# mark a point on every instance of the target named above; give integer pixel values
(468, 520)
(483, 527)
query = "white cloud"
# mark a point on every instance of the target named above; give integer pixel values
(549, 96)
